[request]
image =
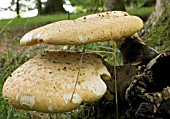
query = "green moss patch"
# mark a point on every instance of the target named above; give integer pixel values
(159, 36)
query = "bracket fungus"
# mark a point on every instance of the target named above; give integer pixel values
(47, 82)
(95, 28)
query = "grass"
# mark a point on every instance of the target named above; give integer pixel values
(13, 55)
(37, 21)
(9, 61)
(141, 11)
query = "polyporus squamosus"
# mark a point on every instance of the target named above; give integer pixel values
(100, 27)
(41, 70)
(46, 83)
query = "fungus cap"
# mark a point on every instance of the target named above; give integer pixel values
(84, 30)
(46, 82)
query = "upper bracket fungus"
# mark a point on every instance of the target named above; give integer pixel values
(93, 28)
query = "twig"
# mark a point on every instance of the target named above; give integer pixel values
(5, 70)
(97, 6)
(29, 115)
(116, 97)
(49, 114)
(114, 60)
(7, 24)
(104, 5)
(77, 76)
(100, 52)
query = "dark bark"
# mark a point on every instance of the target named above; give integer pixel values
(54, 6)
(135, 51)
(115, 5)
(39, 6)
(146, 90)
(17, 8)
(149, 3)
(156, 31)
(159, 8)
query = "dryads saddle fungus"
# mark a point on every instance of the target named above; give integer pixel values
(46, 83)
(93, 28)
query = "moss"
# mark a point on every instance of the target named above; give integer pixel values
(159, 36)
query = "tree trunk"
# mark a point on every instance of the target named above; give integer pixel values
(39, 6)
(159, 8)
(54, 6)
(17, 8)
(115, 5)
(149, 3)
(156, 31)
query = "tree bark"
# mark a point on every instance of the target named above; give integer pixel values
(54, 6)
(149, 3)
(17, 8)
(115, 5)
(39, 6)
(156, 31)
(159, 8)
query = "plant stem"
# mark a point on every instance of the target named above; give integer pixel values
(116, 98)
(77, 76)
(7, 24)
(29, 115)
(68, 15)
(50, 116)
(105, 52)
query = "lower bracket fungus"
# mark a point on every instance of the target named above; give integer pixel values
(46, 83)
